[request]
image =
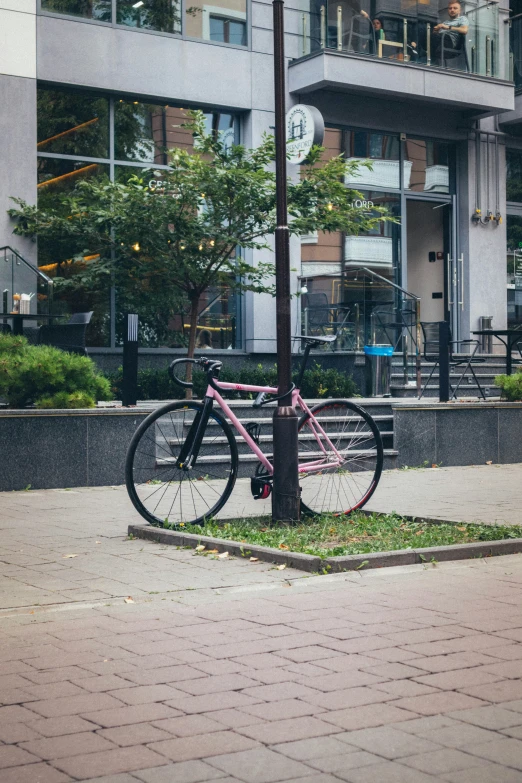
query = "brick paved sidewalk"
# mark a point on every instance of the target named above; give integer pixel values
(406, 675)
(237, 672)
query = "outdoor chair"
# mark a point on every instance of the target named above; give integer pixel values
(451, 53)
(430, 354)
(321, 318)
(359, 41)
(393, 324)
(68, 337)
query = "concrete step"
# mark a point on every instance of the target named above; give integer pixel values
(248, 462)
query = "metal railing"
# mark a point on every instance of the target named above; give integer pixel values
(375, 319)
(17, 277)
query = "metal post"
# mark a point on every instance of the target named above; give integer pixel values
(323, 27)
(339, 28)
(418, 360)
(444, 384)
(428, 44)
(286, 492)
(129, 387)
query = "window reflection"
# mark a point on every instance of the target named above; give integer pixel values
(429, 161)
(100, 10)
(55, 256)
(514, 175)
(382, 151)
(225, 21)
(161, 15)
(73, 123)
(379, 247)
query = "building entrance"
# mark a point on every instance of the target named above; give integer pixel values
(428, 256)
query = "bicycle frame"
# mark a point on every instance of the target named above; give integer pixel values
(305, 467)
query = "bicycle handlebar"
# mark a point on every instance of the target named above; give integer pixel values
(208, 365)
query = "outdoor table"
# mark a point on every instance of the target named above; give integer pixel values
(19, 318)
(512, 337)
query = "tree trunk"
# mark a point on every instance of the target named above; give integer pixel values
(194, 311)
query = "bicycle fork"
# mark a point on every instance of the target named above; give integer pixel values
(190, 449)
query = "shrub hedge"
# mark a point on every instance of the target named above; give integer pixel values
(156, 384)
(511, 386)
(46, 377)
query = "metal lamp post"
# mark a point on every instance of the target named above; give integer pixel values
(286, 490)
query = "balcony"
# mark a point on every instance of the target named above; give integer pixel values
(401, 55)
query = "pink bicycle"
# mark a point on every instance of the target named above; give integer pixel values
(183, 461)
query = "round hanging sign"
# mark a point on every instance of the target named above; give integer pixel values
(304, 128)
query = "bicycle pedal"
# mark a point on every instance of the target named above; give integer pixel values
(254, 430)
(261, 488)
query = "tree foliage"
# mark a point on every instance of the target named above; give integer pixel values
(177, 238)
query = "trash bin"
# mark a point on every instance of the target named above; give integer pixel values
(378, 369)
(486, 340)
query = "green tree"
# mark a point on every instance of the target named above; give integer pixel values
(182, 236)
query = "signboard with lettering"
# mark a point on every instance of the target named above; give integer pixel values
(304, 129)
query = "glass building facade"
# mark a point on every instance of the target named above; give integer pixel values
(82, 135)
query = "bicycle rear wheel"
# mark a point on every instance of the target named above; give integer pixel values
(165, 494)
(339, 489)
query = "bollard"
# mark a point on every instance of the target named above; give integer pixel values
(129, 389)
(444, 381)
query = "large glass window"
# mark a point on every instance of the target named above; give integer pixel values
(428, 166)
(514, 270)
(382, 151)
(161, 15)
(225, 23)
(74, 132)
(514, 175)
(100, 10)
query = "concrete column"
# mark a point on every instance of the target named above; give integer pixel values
(483, 244)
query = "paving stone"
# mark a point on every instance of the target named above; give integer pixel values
(11, 756)
(404, 688)
(34, 773)
(281, 710)
(288, 730)
(389, 742)
(459, 735)
(489, 717)
(123, 778)
(214, 701)
(201, 745)
(446, 701)
(367, 716)
(134, 734)
(507, 752)
(260, 765)
(161, 674)
(440, 761)
(145, 694)
(217, 684)
(503, 691)
(346, 761)
(109, 762)
(122, 716)
(351, 697)
(57, 727)
(312, 748)
(69, 745)
(486, 773)
(11, 733)
(233, 719)
(189, 725)
(182, 772)
(515, 732)
(459, 678)
(102, 683)
(74, 705)
(388, 772)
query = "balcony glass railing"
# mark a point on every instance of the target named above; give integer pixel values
(407, 31)
(515, 50)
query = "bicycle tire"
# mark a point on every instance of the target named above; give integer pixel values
(150, 454)
(370, 462)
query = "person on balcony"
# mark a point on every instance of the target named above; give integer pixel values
(451, 30)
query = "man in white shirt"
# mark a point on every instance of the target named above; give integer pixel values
(452, 29)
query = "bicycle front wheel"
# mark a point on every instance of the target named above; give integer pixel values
(344, 477)
(167, 495)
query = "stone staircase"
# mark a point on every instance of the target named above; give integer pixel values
(485, 372)
(379, 409)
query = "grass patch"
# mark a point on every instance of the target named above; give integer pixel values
(329, 536)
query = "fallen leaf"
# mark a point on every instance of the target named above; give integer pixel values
(434, 465)
(254, 560)
(129, 600)
(223, 555)
(489, 462)
(212, 551)
(461, 528)
(200, 548)
(419, 532)
(283, 546)
(98, 542)
(281, 567)
(66, 557)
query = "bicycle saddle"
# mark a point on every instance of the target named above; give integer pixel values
(330, 338)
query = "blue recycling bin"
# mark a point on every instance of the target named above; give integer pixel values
(378, 359)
